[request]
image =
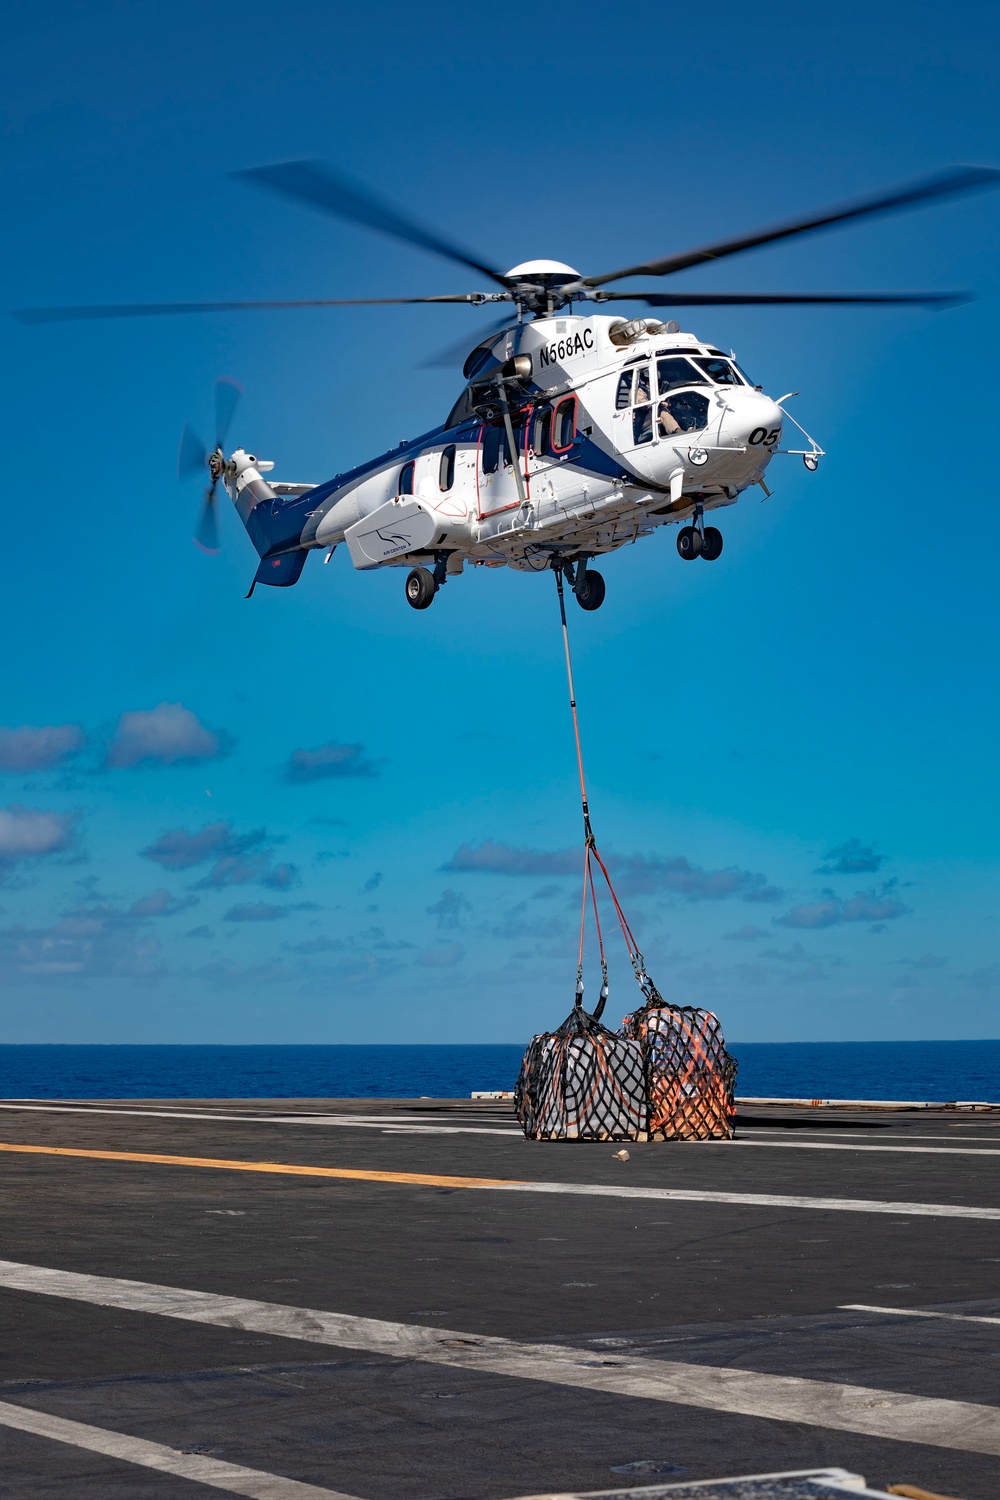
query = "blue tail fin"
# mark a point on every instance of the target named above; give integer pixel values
(280, 572)
(273, 524)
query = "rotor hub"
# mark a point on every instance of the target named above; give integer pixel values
(543, 273)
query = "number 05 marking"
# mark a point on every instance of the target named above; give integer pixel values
(760, 435)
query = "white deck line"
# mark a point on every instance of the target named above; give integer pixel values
(754, 1200)
(851, 1146)
(132, 1450)
(915, 1312)
(878, 1103)
(898, 1416)
(746, 1131)
(851, 1486)
(418, 1125)
(358, 1122)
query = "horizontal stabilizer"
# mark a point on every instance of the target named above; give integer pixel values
(280, 572)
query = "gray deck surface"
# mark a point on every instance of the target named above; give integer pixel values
(722, 1286)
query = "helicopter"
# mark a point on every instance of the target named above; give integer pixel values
(576, 431)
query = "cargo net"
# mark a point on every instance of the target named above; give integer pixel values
(581, 1083)
(690, 1076)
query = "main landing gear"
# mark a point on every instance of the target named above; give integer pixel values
(420, 588)
(706, 543)
(587, 584)
(589, 589)
(422, 584)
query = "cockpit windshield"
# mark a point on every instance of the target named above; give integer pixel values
(674, 372)
(719, 371)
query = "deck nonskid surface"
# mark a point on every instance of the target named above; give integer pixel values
(720, 1286)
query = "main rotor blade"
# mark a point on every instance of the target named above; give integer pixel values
(317, 185)
(944, 185)
(457, 352)
(192, 455)
(227, 398)
(207, 535)
(790, 299)
(33, 315)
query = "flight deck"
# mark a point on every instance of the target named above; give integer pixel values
(405, 1300)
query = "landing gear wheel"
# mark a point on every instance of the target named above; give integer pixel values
(689, 543)
(590, 590)
(711, 545)
(420, 588)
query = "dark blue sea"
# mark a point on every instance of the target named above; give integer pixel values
(815, 1070)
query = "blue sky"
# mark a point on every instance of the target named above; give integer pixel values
(321, 816)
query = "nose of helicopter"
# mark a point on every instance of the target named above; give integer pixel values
(753, 419)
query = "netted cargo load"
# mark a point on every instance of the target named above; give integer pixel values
(582, 1083)
(690, 1077)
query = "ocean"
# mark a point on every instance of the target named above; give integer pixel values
(938, 1071)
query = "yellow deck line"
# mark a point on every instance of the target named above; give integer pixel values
(416, 1179)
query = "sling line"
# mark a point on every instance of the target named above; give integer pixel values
(592, 856)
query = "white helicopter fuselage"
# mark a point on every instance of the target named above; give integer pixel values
(619, 428)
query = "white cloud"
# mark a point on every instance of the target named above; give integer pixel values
(39, 747)
(255, 911)
(441, 958)
(830, 910)
(85, 943)
(160, 903)
(30, 833)
(167, 735)
(331, 760)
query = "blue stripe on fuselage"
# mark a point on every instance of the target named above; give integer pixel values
(278, 527)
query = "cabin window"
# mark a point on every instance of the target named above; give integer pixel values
(674, 372)
(540, 428)
(687, 411)
(446, 473)
(624, 397)
(491, 449)
(643, 390)
(406, 478)
(719, 371)
(642, 424)
(564, 425)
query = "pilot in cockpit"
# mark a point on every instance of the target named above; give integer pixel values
(668, 423)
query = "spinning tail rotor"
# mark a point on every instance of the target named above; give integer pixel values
(193, 458)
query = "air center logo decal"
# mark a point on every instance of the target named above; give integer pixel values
(577, 343)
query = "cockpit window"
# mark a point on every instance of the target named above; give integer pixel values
(719, 371)
(642, 411)
(687, 411)
(624, 395)
(446, 472)
(406, 478)
(642, 425)
(674, 372)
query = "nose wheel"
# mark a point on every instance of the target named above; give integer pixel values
(689, 543)
(711, 543)
(706, 543)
